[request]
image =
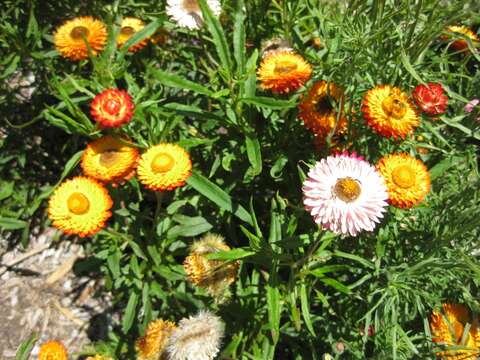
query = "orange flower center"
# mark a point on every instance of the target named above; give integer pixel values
(191, 5)
(284, 67)
(347, 189)
(79, 31)
(112, 106)
(162, 163)
(78, 203)
(108, 158)
(393, 106)
(403, 176)
(127, 30)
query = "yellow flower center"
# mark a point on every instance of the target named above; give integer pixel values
(283, 67)
(78, 203)
(108, 158)
(127, 30)
(162, 163)
(403, 176)
(79, 31)
(393, 106)
(347, 189)
(112, 106)
(191, 5)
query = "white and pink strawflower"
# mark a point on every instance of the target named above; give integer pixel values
(345, 194)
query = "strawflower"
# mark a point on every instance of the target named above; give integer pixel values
(187, 13)
(152, 345)
(389, 111)
(447, 329)
(407, 179)
(431, 98)
(80, 206)
(109, 160)
(460, 44)
(345, 194)
(52, 350)
(112, 108)
(164, 167)
(71, 36)
(196, 338)
(212, 275)
(129, 27)
(283, 71)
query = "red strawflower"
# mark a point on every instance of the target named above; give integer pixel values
(112, 108)
(431, 98)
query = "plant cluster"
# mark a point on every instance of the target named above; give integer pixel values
(302, 175)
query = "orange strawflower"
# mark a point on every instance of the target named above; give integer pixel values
(407, 179)
(110, 160)
(318, 109)
(80, 206)
(283, 71)
(447, 329)
(112, 108)
(70, 37)
(128, 28)
(461, 44)
(212, 275)
(52, 350)
(164, 167)
(152, 345)
(390, 112)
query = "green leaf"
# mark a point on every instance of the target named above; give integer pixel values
(409, 67)
(6, 190)
(273, 304)
(193, 227)
(130, 312)
(254, 154)
(214, 193)
(233, 254)
(336, 284)
(176, 81)
(268, 102)
(7, 223)
(306, 309)
(23, 352)
(218, 36)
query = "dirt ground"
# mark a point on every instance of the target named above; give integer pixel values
(40, 294)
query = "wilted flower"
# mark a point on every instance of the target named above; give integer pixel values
(431, 98)
(80, 206)
(52, 350)
(345, 194)
(164, 167)
(196, 338)
(283, 71)
(187, 13)
(212, 275)
(71, 36)
(152, 345)
(112, 108)
(389, 111)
